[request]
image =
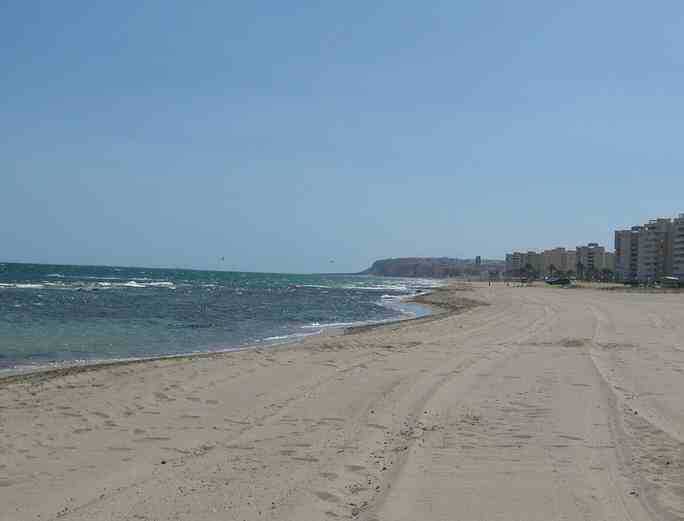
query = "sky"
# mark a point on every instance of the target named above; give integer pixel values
(319, 136)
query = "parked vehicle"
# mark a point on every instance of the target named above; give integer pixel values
(558, 281)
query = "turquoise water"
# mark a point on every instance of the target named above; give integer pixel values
(56, 315)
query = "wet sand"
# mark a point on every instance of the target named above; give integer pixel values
(544, 404)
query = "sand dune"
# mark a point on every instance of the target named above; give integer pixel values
(545, 404)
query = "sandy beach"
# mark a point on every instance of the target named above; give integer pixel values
(544, 404)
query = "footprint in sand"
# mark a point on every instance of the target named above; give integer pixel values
(327, 496)
(288, 452)
(6, 482)
(100, 414)
(235, 421)
(355, 468)
(163, 397)
(82, 431)
(306, 459)
(139, 431)
(573, 438)
(329, 475)
(212, 402)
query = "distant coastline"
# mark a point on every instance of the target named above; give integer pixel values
(432, 267)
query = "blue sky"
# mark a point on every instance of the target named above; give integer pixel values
(284, 135)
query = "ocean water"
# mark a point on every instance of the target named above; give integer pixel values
(63, 315)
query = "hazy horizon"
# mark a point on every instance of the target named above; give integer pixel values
(356, 272)
(284, 137)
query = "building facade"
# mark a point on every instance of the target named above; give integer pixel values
(518, 262)
(650, 252)
(513, 262)
(677, 242)
(653, 256)
(592, 260)
(558, 260)
(571, 262)
(626, 254)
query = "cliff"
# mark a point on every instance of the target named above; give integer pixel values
(428, 267)
(432, 267)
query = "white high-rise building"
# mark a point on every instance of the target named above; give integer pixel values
(626, 254)
(650, 252)
(677, 242)
(653, 258)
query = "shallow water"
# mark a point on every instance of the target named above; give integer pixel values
(69, 314)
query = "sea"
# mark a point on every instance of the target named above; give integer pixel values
(55, 315)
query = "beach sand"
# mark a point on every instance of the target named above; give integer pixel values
(544, 404)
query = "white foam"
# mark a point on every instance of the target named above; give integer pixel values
(291, 336)
(136, 284)
(133, 284)
(96, 278)
(385, 287)
(318, 325)
(162, 285)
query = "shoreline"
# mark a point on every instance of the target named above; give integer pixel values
(419, 419)
(41, 373)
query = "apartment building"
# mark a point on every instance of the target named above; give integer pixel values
(513, 262)
(677, 242)
(558, 260)
(652, 251)
(583, 261)
(593, 258)
(653, 256)
(571, 261)
(553, 261)
(518, 261)
(626, 254)
(534, 260)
